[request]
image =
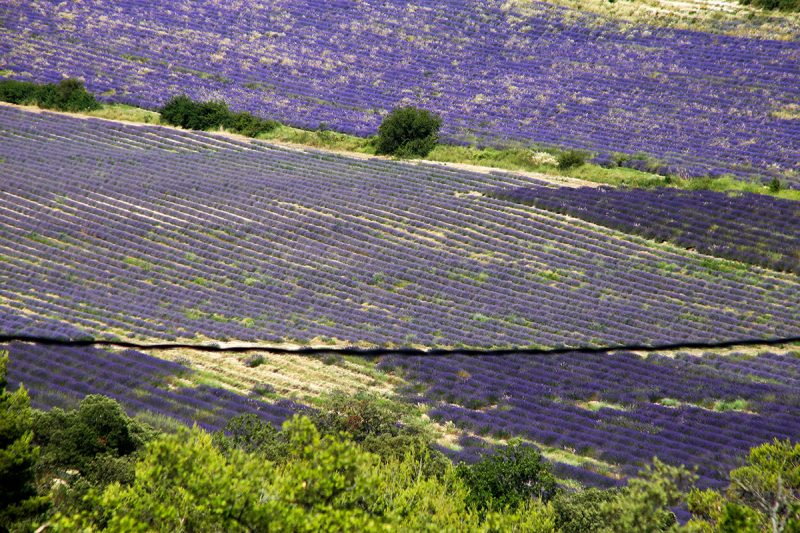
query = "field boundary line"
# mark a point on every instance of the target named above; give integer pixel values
(377, 351)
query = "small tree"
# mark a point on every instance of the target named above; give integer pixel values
(182, 111)
(18, 456)
(510, 477)
(643, 506)
(770, 483)
(408, 132)
(68, 95)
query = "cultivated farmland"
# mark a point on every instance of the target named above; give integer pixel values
(500, 73)
(617, 409)
(154, 233)
(228, 313)
(598, 417)
(750, 228)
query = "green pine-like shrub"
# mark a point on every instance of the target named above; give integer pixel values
(408, 132)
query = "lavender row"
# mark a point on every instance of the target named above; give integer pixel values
(752, 228)
(471, 449)
(58, 376)
(499, 74)
(152, 232)
(548, 399)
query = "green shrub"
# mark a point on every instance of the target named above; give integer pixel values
(76, 439)
(782, 5)
(360, 415)
(571, 158)
(178, 110)
(18, 92)
(408, 132)
(184, 112)
(510, 477)
(576, 512)
(249, 125)
(251, 434)
(67, 95)
(775, 185)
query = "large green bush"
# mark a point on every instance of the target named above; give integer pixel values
(67, 95)
(18, 92)
(508, 478)
(184, 112)
(408, 132)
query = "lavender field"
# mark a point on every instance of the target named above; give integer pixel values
(550, 318)
(598, 417)
(109, 231)
(58, 376)
(751, 228)
(499, 74)
(616, 410)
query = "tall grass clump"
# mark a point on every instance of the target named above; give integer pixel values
(571, 159)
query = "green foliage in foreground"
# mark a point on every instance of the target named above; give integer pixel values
(408, 132)
(68, 95)
(18, 456)
(184, 112)
(509, 478)
(98, 470)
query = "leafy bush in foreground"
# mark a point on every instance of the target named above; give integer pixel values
(408, 132)
(508, 478)
(18, 456)
(68, 95)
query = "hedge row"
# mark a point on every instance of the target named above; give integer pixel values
(66, 95)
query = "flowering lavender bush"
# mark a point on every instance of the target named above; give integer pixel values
(497, 74)
(753, 228)
(148, 232)
(670, 406)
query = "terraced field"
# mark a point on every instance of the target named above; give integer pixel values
(751, 228)
(500, 73)
(154, 233)
(615, 412)
(598, 417)
(406, 307)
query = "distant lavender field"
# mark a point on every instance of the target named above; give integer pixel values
(703, 103)
(753, 228)
(58, 376)
(644, 407)
(155, 233)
